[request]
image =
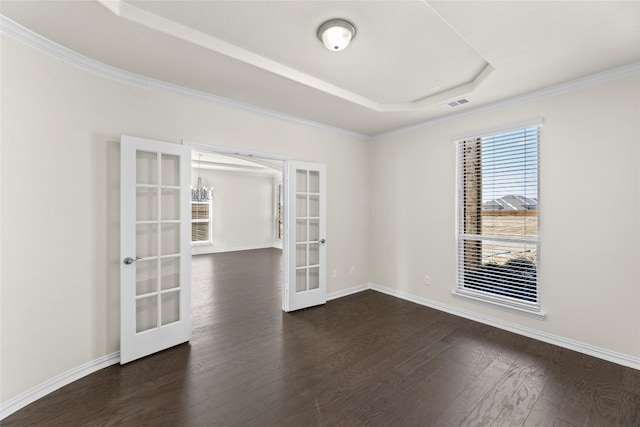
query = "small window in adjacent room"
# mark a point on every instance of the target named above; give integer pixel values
(201, 208)
(497, 230)
(201, 230)
(279, 212)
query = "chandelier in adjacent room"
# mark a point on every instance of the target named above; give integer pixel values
(200, 193)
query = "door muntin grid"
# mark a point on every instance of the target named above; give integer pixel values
(158, 287)
(307, 208)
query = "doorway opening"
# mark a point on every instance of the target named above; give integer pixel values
(243, 218)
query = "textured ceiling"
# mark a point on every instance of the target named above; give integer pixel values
(408, 59)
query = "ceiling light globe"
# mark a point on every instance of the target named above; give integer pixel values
(336, 38)
(336, 34)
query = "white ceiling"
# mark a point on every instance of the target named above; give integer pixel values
(235, 163)
(408, 59)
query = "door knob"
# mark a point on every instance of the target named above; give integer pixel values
(322, 241)
(128, 260)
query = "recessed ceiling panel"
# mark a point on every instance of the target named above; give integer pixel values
(265, 54)
(548, 42)
(402, 52)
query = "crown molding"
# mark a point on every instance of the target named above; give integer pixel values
(28, 37)
(137, 15)
(17, 31)
(591, 80)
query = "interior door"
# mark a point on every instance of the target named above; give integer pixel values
(307, 234)
(155, 247)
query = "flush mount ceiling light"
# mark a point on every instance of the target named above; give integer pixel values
(336, 34)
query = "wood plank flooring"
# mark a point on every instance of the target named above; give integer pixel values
(366, 359)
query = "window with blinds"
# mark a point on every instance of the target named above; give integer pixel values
(279, 212)
(498, 218)
(201, 231)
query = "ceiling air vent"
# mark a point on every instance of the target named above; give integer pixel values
(452, 104)
(457, 102)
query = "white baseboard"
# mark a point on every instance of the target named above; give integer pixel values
(23, 399)
(591, 350)
(12, 405)
(348, 291)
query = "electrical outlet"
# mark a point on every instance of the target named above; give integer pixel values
(427, 280)
(353, 269)
(334, 274)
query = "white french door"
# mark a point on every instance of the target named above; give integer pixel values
(307, 233)
(155, 246)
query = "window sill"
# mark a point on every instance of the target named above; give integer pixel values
(499, 303)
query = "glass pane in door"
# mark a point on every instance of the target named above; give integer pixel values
(170, 208)
(301, 205)
(301, 255)
(146, 313)
(307, 209)
(146, 240)
(314, 182)
(170, 166)
(170, 273)
(314, 253)
(157, 235)
(301, 181)
(301, 230)
(314, 278)
(301, 280)
(146, 276)
(314, 230)
(170, 307)
(170, 238)
(146, 204)
(314, 206)
(146, 168)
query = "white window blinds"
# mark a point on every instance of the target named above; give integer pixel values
(498, 218)
(201, 231)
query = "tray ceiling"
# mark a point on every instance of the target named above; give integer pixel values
(408, 60)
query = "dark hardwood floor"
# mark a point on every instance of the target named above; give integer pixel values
(366, 359)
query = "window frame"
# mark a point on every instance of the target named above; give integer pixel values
(208, 221)
(533, 309)
(278, 212)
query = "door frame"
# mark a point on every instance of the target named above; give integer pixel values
(219, 149)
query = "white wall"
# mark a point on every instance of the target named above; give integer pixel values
(390, 206)
(589, 217)
(243, 211)
(61, 127)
